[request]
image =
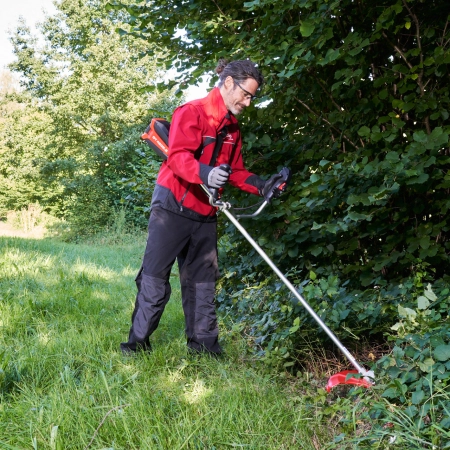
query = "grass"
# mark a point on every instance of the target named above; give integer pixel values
(65, 308)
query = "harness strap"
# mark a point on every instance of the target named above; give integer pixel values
(219, 141)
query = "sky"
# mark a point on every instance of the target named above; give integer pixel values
(11, 10)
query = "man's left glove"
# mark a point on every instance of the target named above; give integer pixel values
(269, 186)
(276, 184)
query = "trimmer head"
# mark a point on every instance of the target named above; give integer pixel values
(345, 377)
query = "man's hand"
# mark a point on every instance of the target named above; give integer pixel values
(276, 184)
(269, 185)
(217, 178)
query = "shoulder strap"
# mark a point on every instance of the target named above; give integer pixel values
(219, 141)
(157, 137)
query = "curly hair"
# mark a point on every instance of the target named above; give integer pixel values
(239, 70)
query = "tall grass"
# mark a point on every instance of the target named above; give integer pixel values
(27, 218)
(65, 308)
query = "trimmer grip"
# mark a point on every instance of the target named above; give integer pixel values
(214, 191)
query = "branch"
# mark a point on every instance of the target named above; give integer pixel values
(398, 51)
(420, 75)
(82, 124)
(419, 42)
(218, 7)
(329, 95)
(327, 122)
(223, 27)
(443, 35)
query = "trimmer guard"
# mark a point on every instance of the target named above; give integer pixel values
(345, 377)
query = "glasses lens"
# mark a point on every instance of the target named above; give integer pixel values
(247, 94)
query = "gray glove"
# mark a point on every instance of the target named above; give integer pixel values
(217, 178)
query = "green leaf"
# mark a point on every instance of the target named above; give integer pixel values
(429, 294)
(265, 140)
(307, 28)
(420, 136)
(417, 397)
(251, 5)
(364, 131)
(407, 313)
(332, 55)
(442, 352)
(357, 216)
(121, 31)
(390, 393)
(392, 156)
(426, 365)
(418, 180)
(425, 242)
(296, 326)
(423, 302)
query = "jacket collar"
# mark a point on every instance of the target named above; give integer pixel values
(215, 109)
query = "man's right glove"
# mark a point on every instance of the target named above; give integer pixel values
(217, 178)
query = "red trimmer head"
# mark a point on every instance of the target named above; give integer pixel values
(345, 377)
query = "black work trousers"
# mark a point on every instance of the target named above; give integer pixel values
(194, 244)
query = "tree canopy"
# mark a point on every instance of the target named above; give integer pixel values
(356, 102)
(77, 135)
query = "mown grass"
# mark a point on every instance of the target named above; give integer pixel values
(65, 308)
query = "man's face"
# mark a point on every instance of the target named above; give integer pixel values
(237, 96)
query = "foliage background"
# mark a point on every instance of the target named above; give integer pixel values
(74, 134)
(358, 108)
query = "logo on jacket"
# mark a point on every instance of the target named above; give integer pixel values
(228, 139)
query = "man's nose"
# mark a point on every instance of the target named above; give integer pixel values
(247, 101)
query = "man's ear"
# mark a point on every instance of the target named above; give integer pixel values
(229, 82)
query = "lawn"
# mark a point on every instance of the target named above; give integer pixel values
(65, 308)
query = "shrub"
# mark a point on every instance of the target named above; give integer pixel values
(409, 406)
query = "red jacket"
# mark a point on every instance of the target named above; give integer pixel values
(193, 125)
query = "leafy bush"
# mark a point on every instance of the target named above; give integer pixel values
(409, 406)
(76, 132)
(356, 103)
(282, 331)
(89, 210)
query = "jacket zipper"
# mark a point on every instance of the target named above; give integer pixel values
(184, 196)
(187, 190)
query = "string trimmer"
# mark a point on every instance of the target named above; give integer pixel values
(344, 377)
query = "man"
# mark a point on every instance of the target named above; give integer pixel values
(182, 223)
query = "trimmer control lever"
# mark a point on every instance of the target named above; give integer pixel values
(280, 186)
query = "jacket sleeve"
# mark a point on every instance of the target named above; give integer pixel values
(185, 139)
(240, 176)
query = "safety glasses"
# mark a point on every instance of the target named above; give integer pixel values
(247, 94)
